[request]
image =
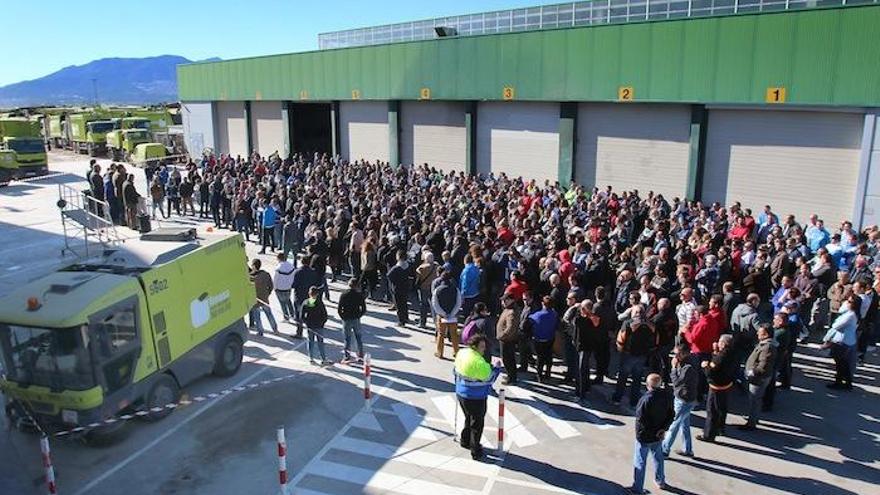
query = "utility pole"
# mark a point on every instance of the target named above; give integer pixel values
(95, 89)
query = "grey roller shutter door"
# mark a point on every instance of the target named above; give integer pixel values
(364, 130)
(198, 126)
(634, 146)
(519, 138)
(231, 128)
(433, 132)
(798, 162)
(267, 127)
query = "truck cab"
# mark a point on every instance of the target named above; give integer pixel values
(96, 135)
(22, 149)
(131, 132)
(124, 331)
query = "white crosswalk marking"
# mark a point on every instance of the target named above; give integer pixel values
(412, 421)
(448, 407)
(383, 481)
(550, 417)
(463, 465)
(367, 421)
(514, 431)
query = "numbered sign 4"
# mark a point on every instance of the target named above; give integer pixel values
(625, 93)
(775, 94)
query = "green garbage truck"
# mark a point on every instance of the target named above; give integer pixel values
(124, 332)
(87, 132)
(22, 149)
(131, 132)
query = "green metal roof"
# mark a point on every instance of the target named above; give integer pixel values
(821, 57)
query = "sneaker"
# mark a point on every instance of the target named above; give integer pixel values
(345, 360)
(702, 438)
(684, 454)
(635, 491)
(661, 485)
(326, 363)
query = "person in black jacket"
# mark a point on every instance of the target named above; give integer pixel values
(604, 309)
(399, 284)
(721, 373)
(654, 414)
(587, 338)
(352, 306)
(304, 277)
(314, 316)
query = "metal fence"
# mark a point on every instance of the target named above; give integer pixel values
(596, 12)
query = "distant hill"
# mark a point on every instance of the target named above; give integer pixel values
(119, 81)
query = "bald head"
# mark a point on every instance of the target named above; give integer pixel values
(654, 380)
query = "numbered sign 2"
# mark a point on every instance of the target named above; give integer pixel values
(355, 94)
(775, 94)
(258, 96)
(508, 93)
(625, 93)
(425, 94)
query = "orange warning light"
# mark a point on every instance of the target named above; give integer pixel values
(33, 304)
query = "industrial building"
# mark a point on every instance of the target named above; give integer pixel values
(758, 101)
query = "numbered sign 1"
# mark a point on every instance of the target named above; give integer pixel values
(304, 95)
(775, 95)
(355, 94)
(425, 94)
(258, 96)
(223, 95)
(625, 93)
(508, 93)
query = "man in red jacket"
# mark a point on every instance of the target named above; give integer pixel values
(701, 333)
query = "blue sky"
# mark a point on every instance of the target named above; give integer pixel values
(47, 35)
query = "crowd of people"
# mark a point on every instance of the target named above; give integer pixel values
(703, 298)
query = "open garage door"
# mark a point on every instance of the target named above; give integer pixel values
(198, 126)
(433, 132)
(311, 128)
(267, 127)
(798, 162)
(363, 127)
(519, 138)
(231, 128)
(633, 146)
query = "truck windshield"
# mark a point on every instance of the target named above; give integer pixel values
(101, 127)
(21, 145)
(137, 136)
(48, 357)
(141, 124)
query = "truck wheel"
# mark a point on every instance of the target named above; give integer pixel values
(228, 360)
(105, 436)
(163, 392)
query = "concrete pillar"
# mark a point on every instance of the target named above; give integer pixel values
(697, 155)
(866, 210)
(394, 132)
(567, 142)
(249, 135)
(470, 129)
(335, 134)
(288, 130)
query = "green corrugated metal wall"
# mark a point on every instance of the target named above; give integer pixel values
(825, 57)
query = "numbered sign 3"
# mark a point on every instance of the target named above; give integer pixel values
(625, 93)
(425, 94)
(508, 93)
(775, 94)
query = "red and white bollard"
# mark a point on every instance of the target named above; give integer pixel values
(47, 465)
(501, 419)
(367, 394)
(282, 461)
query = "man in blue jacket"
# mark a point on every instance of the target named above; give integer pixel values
(474, 377)
(544, 325)
(470, 285)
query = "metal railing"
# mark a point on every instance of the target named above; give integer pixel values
(571, 14)
(85, 220)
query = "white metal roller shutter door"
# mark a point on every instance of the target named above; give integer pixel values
(198, 127)
(231, 128)
(433, 132)
(267, 127)
(797, 162)
(634, 146)
(519, 138)
(364, 130)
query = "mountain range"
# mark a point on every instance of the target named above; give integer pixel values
(117, 81)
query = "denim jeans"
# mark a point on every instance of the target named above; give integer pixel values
(640, 464)
(257, 322)
(424, 305)
(681, 422)
(286, 306)
(632, 367)
(349, 328)
(316, 335)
